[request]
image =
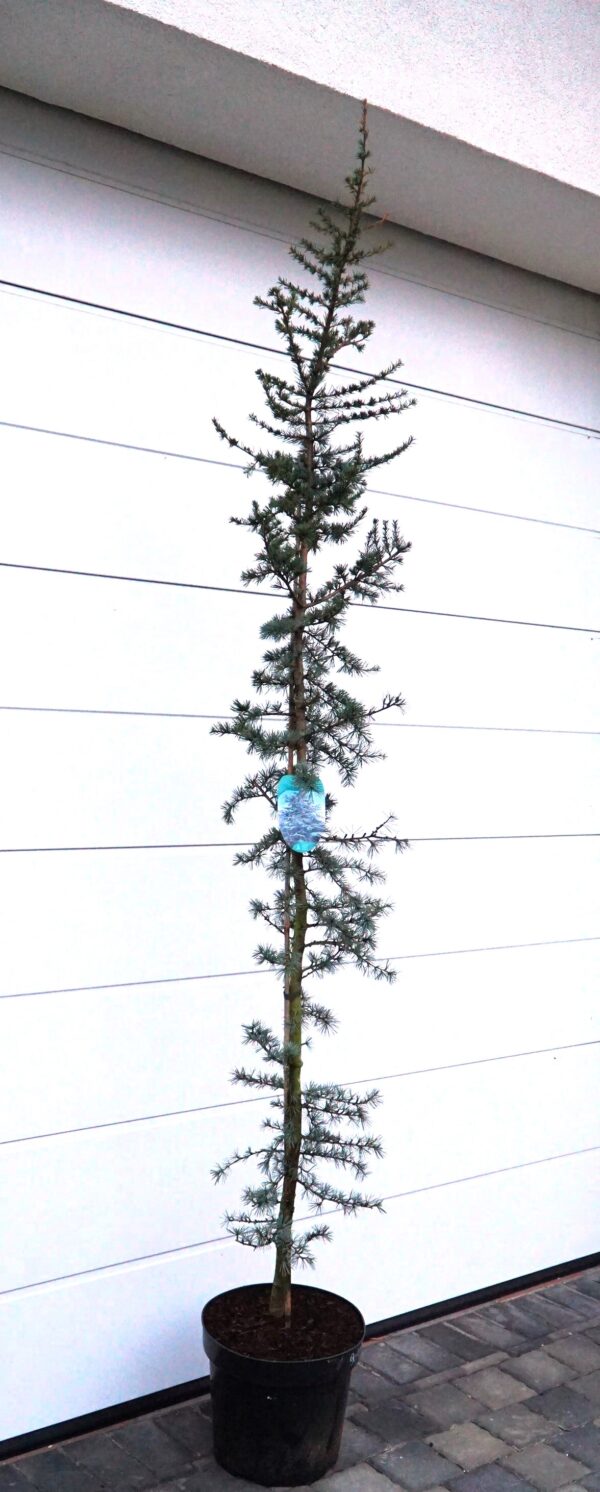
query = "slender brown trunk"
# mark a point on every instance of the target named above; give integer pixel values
(294, 945)
(281, 1294)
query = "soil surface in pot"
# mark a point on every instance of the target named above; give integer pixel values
(321, 1325)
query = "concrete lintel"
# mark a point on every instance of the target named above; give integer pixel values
(111, 63)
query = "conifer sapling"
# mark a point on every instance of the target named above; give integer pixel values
(325, 907)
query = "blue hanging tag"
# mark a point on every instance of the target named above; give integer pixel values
(300, 813)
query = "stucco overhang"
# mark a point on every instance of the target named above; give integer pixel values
(160, 80)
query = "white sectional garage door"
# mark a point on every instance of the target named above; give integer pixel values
(127, 321)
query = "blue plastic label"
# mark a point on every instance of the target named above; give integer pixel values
(300, 814)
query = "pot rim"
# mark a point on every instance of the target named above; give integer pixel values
(276, 1362)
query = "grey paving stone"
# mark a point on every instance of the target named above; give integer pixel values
(564, 1407)
(50, 1471)
(578, 1352)
(393, 1421)
(551, 1312)
(148, 1442)
(414, 1466)
(190, 1483)
(370, 1386)
(495, 1388)
(539, 1371)
(491, 1360)
(593, 1332)
(560, 1289)
(362, 1478)
(189, 1428)
(592, 1482)
(515, 1317)
(112, 1466)
(486, 1330)
(446, 1405)
(584, 1444)
(358, 1444)
(589, 1385)
(589, 1286)
(580, 1301)
(469, 1445)
(431, 1357)
(544, 1467)
(208, 1477)
(492, 1478)
(12, 1480)
(384, 1360)
(517, 1424)
(455, 1338)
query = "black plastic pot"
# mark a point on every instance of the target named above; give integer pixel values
(279, 1423)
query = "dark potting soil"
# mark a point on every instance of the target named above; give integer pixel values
(321, 1324)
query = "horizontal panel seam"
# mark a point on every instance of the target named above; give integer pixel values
(351, 1082)
(434, 502)
(269, 973)
(326, 1212)
(527, 730)
(232, 590)
(184, 328)
(240, 844)
(127, 188)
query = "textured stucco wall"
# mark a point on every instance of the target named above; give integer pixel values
(518, 78)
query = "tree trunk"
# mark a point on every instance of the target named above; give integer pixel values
(281, 1293)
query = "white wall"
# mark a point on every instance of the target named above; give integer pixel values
(121, 991)
(518, 79)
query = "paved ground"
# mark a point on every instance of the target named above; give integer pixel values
(500, 1399)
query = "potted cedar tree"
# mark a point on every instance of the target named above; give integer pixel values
(281, 1354)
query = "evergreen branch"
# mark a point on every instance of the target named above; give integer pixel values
(323, 1194)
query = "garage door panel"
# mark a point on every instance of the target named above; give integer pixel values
(461, 672)
(476, 782)
(471, 348)
(525, 571)
(105, 1196)
(99, 918)
(94, 507)
(105, 645)
(438, 1235)
(99, 508)
(101, 375)
(91, 1205)
(118, 780)
(144, 1051)
(504, 892)
(130, 1331)
(484, 459)
(115, 1335)
(105, 917)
